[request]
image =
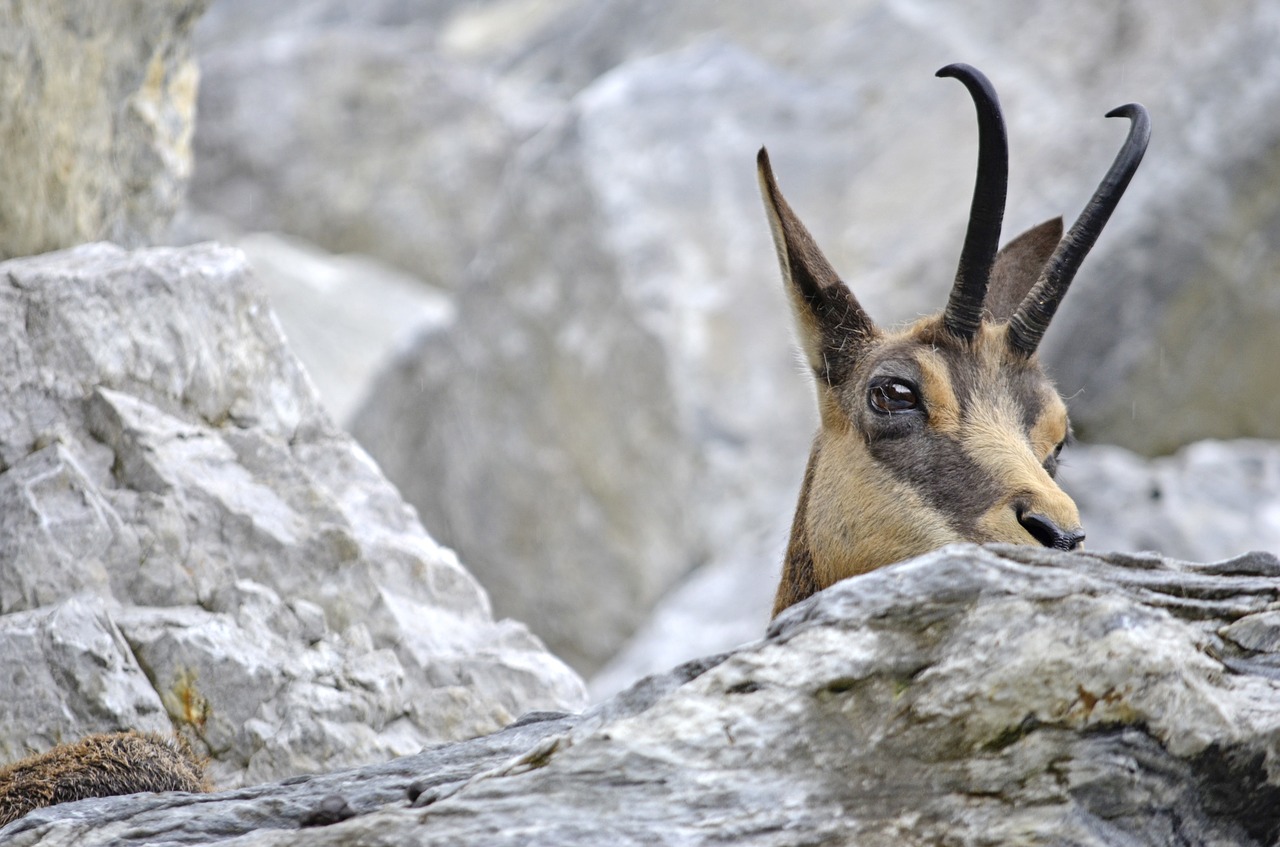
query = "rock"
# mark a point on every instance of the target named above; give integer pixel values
(236, 21)
(245, 565)
(346, 317)
(1000, 695)
(64, 666)
(575, 429)
(98, 110)
(359, 139)
(1211, 501)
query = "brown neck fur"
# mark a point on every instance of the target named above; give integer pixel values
(798, 578)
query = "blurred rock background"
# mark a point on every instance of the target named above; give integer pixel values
(518, 246)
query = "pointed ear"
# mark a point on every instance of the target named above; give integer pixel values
(832, 325)
(1018, 266)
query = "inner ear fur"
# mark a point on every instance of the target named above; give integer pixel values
(1018, 266)
(832, 324)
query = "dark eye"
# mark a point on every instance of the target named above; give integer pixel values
(1051, 463)
(889, 395)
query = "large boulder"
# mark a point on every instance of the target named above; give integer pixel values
(358, 138)
(189, 541)
(996, 696)
(97, 107)
(605, 412)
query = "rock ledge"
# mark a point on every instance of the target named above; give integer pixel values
(974, 695)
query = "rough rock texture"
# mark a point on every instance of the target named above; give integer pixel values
(186, 539)
(97, 105)
(1211, 501)
(972, 696)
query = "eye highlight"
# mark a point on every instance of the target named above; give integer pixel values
(890, 395)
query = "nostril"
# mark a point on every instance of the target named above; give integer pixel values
(1048, 533)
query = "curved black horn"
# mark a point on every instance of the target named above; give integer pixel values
(1028, 324)
(963, 314)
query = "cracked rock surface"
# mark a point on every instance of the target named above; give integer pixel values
(971, 696)
(187, 540)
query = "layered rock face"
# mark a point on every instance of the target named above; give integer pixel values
(99, 106)
(1000, 696)
(186, 540)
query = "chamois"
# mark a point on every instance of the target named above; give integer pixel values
(947, 430)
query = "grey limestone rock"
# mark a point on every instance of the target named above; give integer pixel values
(997, 696)
(358, 138)
(223, 559)
(97, 109)
(345, 316)
(62, 668)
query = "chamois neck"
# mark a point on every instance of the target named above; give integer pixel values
(798, 578)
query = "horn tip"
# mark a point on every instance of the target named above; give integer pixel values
(1128, 110)
(954, 69)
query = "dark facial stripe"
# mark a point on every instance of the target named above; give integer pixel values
(924, 452)
(1027, 387)
(937, 468)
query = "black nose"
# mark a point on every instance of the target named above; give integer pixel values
(1048, 533)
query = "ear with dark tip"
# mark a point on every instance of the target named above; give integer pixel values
(831, 323)
(1018, 266)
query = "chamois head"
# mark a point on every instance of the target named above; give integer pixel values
(947, 430)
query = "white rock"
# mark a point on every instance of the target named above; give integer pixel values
(62, 668)
(165, 452)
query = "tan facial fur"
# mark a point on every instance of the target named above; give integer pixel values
(861, 514)
(860, 518)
